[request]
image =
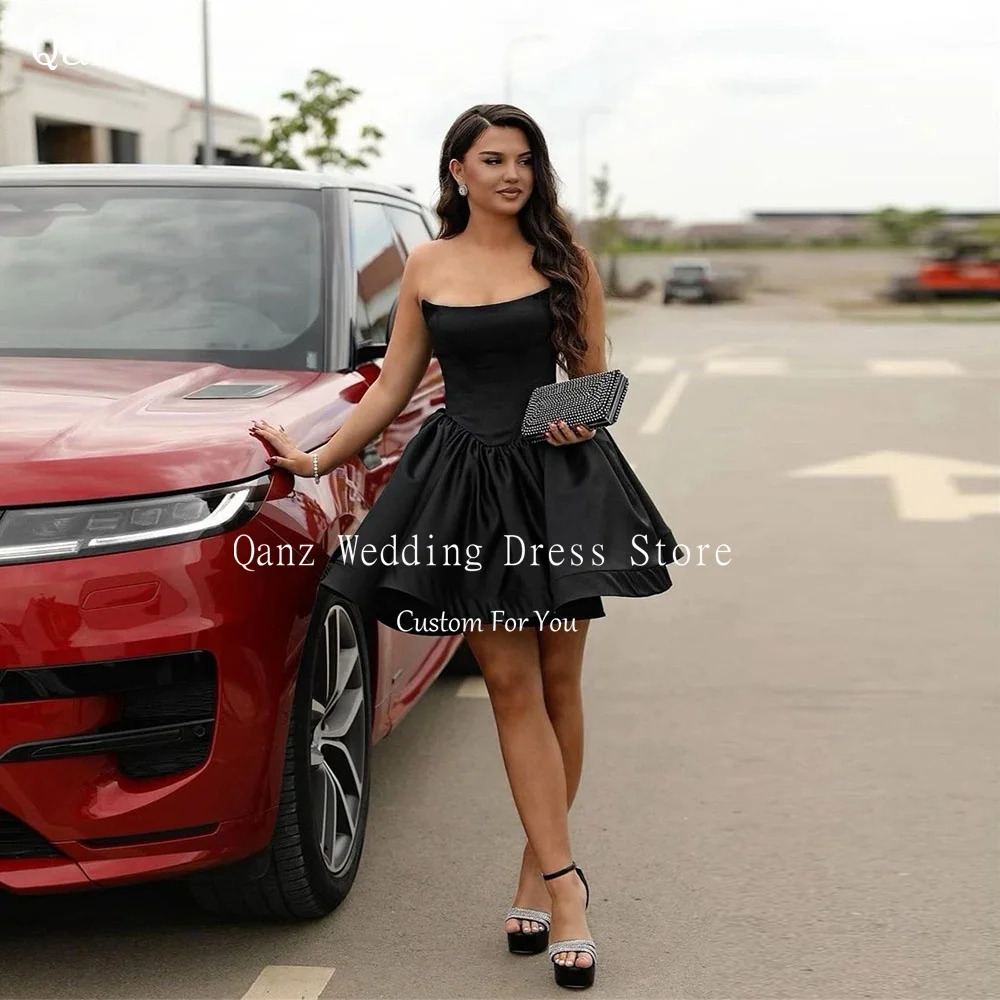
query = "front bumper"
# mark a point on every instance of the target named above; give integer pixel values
(85, 649)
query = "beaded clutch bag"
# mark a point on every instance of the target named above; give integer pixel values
(593, 400)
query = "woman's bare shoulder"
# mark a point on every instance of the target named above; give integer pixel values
(429, 261)
(431, 253)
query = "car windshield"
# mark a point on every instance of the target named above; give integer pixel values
(172, 273)
(688, 272)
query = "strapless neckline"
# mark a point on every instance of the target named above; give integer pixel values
(486, 305)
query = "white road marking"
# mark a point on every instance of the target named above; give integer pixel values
(655, 365)
(722, 349)
(913, 367)
(664, 407)
(472, 687)
(747, 366)
(922, 485)
(289, 982)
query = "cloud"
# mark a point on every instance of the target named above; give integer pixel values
(767, 86)
(757, 39)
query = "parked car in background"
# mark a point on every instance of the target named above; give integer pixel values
(953, 267)
(697, 279)
(178, 696)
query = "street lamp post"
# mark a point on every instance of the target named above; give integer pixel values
(587, 114)
(209, 143)
(506, 61)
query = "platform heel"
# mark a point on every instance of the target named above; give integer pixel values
(573, 977)
(528, 942)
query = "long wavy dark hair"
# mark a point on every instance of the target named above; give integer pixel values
(542, 222)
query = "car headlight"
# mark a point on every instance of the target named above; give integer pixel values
(46, 533)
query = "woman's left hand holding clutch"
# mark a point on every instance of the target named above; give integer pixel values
(560, 433)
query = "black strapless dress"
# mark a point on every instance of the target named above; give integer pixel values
(469, 502)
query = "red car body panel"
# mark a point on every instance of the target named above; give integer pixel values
(970, 277)
(75, 430)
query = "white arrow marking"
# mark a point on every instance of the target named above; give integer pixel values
(922, 485)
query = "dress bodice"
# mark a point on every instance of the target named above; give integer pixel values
(491, 357)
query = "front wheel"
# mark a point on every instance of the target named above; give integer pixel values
(311, 863)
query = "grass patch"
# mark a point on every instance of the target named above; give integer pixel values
(964, 312)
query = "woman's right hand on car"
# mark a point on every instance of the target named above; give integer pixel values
(289, 457)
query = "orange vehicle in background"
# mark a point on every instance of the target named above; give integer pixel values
(961, 267)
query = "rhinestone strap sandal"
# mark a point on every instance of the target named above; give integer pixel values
(574, 977)
(528, 942)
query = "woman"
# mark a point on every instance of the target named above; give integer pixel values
(502, 297)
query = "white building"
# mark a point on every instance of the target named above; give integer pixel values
(84, 114)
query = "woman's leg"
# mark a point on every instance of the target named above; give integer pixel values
(561, 655)
(511, 666)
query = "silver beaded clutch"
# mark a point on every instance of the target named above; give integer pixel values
(593, 400)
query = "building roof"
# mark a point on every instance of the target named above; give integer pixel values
(95, 76)
(189, 174)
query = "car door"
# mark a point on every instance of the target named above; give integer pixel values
(379, 251)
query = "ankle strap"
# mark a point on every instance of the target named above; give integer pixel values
(562, 871)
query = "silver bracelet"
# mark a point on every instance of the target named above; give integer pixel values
(315, 467)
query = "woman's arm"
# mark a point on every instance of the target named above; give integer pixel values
(561, 433)
(404, 365)
(593, 319)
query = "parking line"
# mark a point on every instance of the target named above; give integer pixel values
(655, 365)
(472, 687)
(912, 367)
(289, 982)
(664, 407)
(747, 366)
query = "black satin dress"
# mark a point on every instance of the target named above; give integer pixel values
(579, 522)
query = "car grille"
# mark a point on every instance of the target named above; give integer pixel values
(18, 840)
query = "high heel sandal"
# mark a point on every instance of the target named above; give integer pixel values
(528, 942)
(574, 977)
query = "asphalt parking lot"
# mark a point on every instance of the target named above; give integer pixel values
(790, 787)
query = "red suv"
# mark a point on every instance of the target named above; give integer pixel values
(178, 697)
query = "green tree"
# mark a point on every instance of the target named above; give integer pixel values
(989, 229)
(316, 119)
(901, 228)
(605, 233)
(607, 239)
(3, 3)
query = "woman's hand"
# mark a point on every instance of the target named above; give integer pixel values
(560, 432)
(289, 457)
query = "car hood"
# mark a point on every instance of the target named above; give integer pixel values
(76, 429)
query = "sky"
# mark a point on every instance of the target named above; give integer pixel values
(702, 111)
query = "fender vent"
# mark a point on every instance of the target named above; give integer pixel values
(234, 390)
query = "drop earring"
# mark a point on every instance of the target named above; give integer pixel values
(463, 190)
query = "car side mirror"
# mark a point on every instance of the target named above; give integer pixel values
(376, 349)
(390, 320)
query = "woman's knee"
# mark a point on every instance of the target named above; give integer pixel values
(511, 673)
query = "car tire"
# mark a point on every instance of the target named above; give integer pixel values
(462, 662)
(904, 289)
(310, 865)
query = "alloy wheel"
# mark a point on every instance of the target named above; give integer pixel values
(337, 751)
